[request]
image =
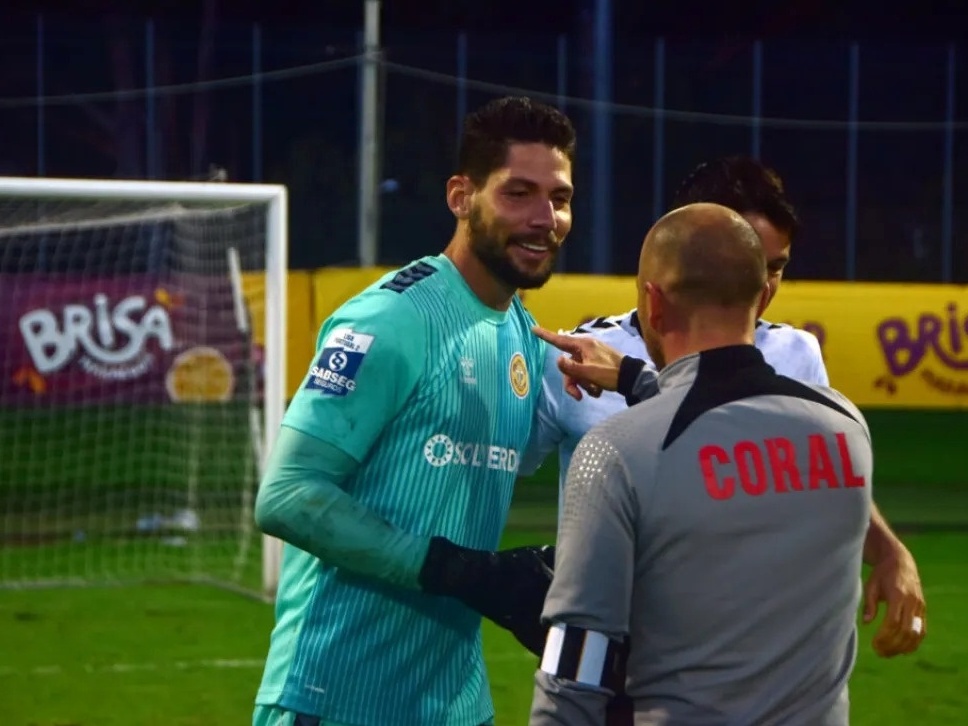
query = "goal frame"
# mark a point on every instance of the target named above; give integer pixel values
(275, 197)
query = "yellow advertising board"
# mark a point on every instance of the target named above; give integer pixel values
(332, 286)
(885, 344)
(567, 300)
(300, 321)
(894, 345)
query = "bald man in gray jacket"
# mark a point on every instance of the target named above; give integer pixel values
(709, 549)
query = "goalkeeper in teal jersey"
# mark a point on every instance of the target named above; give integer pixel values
(393, 471)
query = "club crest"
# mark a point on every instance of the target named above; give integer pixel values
(518, 375)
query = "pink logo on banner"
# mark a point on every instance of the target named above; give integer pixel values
(127, 338)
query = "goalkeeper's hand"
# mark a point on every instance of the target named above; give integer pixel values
(507, 587)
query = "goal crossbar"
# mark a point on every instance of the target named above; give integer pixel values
(139, 190)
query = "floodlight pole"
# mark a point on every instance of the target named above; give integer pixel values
(369, 160)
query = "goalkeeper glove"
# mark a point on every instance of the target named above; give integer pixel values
(507, 587)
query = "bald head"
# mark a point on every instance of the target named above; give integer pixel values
(704, 255)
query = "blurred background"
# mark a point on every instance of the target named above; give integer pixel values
(858, 111)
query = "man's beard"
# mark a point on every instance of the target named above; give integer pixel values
(492, 251)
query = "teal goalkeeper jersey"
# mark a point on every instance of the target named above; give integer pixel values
(433, 393)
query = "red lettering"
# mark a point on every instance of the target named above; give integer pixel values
(746, 452)
(821, 465)
(783, 463)
(851, 478)
(717, 490)
(751, 467)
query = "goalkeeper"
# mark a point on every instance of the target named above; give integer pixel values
(393, 471)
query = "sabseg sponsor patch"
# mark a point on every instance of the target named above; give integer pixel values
(338, 362)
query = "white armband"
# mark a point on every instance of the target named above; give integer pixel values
(584, 656)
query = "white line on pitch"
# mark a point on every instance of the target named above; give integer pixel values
(181, 665)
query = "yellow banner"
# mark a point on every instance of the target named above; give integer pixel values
(886, 344)
(300, 322)
(332, 286)
(894, 345)
(567, 300)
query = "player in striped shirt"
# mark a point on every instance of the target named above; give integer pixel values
(393, 471)
(757, 193)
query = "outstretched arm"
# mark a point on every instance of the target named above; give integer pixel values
(594, 367)
(893, 579)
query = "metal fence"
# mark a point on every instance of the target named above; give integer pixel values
(866, 136)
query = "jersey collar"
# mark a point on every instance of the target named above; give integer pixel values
(464, 290)
(717, 361)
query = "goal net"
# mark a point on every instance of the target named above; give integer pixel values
(141, 358)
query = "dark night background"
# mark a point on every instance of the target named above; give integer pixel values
(309, 122)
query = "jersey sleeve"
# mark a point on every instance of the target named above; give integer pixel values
(817, 369)
(546, 431)
(636, 380)
(592, 585)
(370, 355)
(302, 501)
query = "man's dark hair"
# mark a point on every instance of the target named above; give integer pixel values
(489, 131)
(744, 185)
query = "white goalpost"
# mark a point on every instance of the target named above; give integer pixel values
(142, 380)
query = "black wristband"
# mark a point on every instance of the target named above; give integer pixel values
(628, 373)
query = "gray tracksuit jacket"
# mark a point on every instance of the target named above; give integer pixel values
(717, 530)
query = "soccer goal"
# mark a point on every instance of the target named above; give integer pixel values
(142, 359)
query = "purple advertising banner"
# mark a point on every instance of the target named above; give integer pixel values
(68, 339)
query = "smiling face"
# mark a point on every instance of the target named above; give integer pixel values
(520, 217)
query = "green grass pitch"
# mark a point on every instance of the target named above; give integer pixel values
(191, 655)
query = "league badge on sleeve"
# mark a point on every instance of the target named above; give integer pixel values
(337, 365)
